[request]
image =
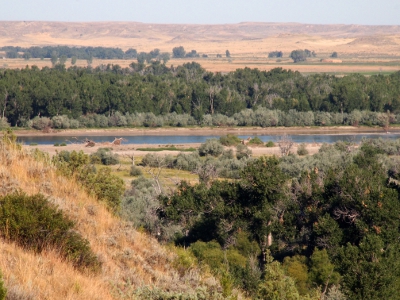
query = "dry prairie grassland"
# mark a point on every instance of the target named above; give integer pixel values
(130, 260)
(361, 48)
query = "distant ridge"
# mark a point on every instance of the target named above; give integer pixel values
(145, 36)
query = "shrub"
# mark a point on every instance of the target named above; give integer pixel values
(187, 162)
(211, 147)
(256, 141)
(63, 144)
(3, 290)
(302, 150)
(135, 171)
(106, 186)
(41, 123)
(35, 224)
(56, 144)
(60, 122)
(104, 156)
(153, 160)
(242, 151)
(270, 144)
(229, 140)
(4, 123)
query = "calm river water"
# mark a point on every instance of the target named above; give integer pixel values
(185, 139)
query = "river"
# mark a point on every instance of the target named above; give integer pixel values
(187, 139)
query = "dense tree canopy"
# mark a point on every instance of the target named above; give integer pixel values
(189, 89)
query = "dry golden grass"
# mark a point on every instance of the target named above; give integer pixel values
(131, 259)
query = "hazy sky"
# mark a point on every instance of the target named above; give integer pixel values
(369, 12)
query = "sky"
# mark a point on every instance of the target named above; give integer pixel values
(364, 12)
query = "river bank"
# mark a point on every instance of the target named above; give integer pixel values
(204, 131)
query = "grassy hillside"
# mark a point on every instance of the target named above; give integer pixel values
(133, 264)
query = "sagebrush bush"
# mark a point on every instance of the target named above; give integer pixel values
(187, 161)
(242, 151)
(40, 123)
(256, 141)
(35, 224)
(104, 185)
(270, 144)
(302, 150)
(135, 171)
(229, 140)
(104, 156)
(211, 147)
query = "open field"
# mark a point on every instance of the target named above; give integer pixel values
(364, 49)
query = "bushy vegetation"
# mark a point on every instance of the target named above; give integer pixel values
(329, 221)
(189, 95)
(302, 149)
(229, 140)
(256, 141)
(211, 147)
(3, 290)
(104, 156)
(69, 52)
(35, 224)
(101, 183)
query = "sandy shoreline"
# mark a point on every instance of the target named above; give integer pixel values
(131, 149)
(203, 131)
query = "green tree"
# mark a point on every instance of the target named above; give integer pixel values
(12, 54)
(165, 57)
(178, 52)
(27, 55)
(54, 59)
(322, 271)
(63, 59)
(89, 59)
(334, 54)
(276, 284)
(227, 53)
(73, 60)
(298, 55)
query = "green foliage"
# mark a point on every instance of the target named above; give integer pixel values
(276, 284)
(256, 141)
(135, 171)
(247, 97)
(104, 156)
(229, 140)
(178, 52)
(334, 54)
(302, 150)
(296, 268)
(35, 224)
(3, 290)
(270, 144)
(242, 151)
(104, 185)
(275, 54)
(211, 147)
(322, 271)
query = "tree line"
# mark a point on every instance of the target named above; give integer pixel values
(189, 89)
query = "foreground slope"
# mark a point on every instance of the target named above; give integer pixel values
(131, 261)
